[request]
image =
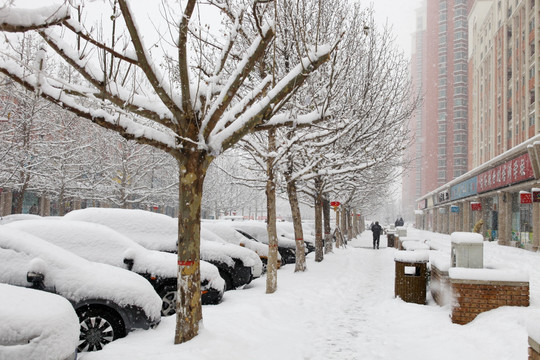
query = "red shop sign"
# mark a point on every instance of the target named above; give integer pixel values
(335, 203)
(525, 197)
(476, 206)
(536, 195)
(513, 171)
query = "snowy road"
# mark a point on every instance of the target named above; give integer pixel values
(340, 309)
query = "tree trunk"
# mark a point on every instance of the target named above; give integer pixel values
(300, 264)
(338, 236)
(327, 227)
(319, 253)
(349, 224)
(344, 224)
(192, 168)
(271, 268)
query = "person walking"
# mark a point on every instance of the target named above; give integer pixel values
(376, 229)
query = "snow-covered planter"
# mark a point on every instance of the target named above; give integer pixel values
(479, 290)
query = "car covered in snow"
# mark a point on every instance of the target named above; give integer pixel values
(36, 325)
(236, 265)
(100, 243)
(223, 231)
(109, 301)
(256, 230)
(17, 217)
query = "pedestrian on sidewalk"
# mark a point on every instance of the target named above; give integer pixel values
(376, 229)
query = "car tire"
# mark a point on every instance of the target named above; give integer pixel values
(99, 326)
(168, 297)
(228, 279)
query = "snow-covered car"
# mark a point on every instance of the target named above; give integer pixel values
(227, 233)
(109, 301)
(36, 325)
(236, 265)
(17, 217)
(100, 243)
(256, 230)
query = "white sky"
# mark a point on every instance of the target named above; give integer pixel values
(400, 14)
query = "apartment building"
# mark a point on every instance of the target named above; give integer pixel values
(502, 184)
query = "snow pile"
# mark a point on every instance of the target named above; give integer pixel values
(36, 325)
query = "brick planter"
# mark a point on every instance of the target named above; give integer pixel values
(439, 286)
(472, 297)
(534, 349)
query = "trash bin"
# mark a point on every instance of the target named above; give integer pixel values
(411, 276)
(390, 238)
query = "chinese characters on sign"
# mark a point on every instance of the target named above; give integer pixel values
(476, 206)
(513, 171)
(525, 197)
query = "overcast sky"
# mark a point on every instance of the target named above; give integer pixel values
(400, 14)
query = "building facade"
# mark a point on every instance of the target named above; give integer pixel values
(500, 193)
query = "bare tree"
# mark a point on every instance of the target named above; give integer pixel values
(202, 105)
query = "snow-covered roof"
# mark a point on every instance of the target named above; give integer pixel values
(71, 276)
(36, 325)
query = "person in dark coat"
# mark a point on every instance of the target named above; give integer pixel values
(401, 222)
(376, 229)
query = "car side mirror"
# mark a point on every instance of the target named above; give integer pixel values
(36, 279)
(129, 263)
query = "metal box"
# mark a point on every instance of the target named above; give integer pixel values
(467, 250)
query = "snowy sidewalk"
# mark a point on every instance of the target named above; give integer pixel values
(342, 308)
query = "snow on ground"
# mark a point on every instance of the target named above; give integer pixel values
(342, 308)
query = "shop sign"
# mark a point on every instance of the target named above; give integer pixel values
(536, 195)
(511, 172)
(422, 204)
(464, 189)
(442, 210)
(335, 203)
(454, 208)
(443, 196)
(525, 197)
(476, 206)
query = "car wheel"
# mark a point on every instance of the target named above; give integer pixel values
(168, 298)
(99, 326)
(228, 279)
